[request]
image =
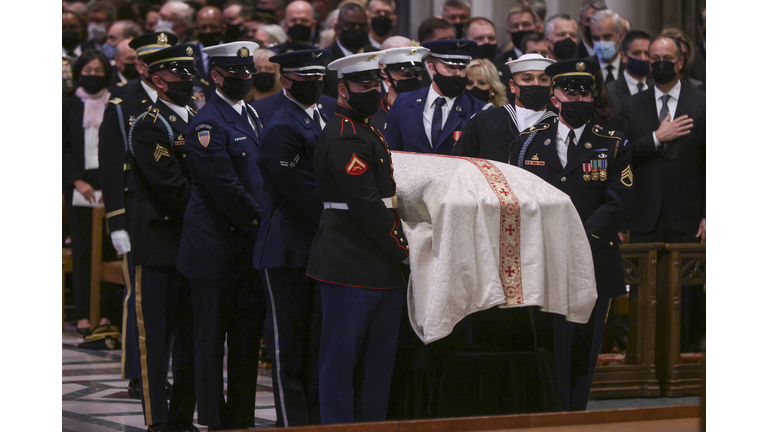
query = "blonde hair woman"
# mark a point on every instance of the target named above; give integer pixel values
(484, 82)
(266, 80)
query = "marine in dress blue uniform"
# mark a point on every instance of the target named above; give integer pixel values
(592, 166)
(358, 252)
(216, 252)
(431, 119)
(402, 68)
(163, 306)
(128, 102)
(292, 210)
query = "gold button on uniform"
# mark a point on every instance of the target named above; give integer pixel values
(167, 218)
(562, 179)
(243, 154)
(610, 244)
(256, 222)
(401, 239)
(395, 232)
(184, 156)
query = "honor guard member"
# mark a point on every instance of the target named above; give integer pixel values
(220, 228)
(292, 210)
(128, 102)
(491, 133)
(163, 306)
(431, 120)
(402, 68)
(358, 252)
(592, 166)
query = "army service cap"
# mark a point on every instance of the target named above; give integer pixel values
(234, 57)
(179, 59)
(573, 74)
(452, 51)
(360, 68)
(309, 62)
(152, 42)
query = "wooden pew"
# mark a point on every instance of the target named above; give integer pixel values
(110, 271)
(636, 375)
(684, 265)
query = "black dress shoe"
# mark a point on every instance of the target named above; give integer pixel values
(162, 427)
(84, 331)
(134, 390)
(186, 427)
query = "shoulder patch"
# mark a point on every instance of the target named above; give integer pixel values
(538, 127)
(204, 137)
(202, 126)
(356, 166)
(116, 101)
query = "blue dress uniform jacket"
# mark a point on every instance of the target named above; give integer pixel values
(405, 122)
(162, 177)
(365, 245)
(292, 207)
(222, 217)
(602, 205)
(268, 106)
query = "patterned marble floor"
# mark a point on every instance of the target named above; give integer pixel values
(95, 397)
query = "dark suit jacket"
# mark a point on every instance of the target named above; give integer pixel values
(675, 178)
(405, 127)
(73, 147)
(268, 106)
(331, 79)
(581, 51)
(699, 66)
(618, 96)
(616, 75)
(292, 206)
(504, 74)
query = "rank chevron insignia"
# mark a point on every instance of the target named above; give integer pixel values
(626, 177)
(160, 151)
(356, 166)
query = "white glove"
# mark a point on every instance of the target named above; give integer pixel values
(121, 241)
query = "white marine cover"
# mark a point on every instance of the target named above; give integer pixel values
(484, 234)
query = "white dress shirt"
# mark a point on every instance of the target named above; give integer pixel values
(616, 63)
(526, 117)
(429, 109)
(373, 42)
(151, 92)
(181, 111)
(310, 110)
(671, 105)
(237, 106)
(562, 140)
(632, 83)
(91, 149)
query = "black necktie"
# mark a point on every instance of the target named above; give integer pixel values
(437, 120)
(244, 113)
(609, 77)
(571, 145)
(255, 125)
(664, 111)
(316, 117)
(640, 87)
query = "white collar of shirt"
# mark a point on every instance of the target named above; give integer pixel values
(310, 110)
(151, 92)
(432, 97)
(429, 111)
(347, 52)
(121, 77)
(78, 51)
(237, 106)
(672, 102)
(518, 53)
(562, 140)
(590, 50)
(181, 111)
(373, 42)
(527, 117)
(632, 83)
(616, 63)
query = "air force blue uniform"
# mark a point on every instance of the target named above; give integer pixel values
(267, 107)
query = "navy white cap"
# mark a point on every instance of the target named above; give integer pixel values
(403, 58)
(529, 62)
(179, 59)
(152, 42)
(360, 68)
(452, 51)
(309, 62)
(235, 57)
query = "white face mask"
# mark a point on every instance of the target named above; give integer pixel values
(164, 26)
(97, 31)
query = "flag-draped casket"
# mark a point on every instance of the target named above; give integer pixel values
(484, 234)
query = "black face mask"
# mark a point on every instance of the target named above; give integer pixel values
(405, 85)
(533, 97)
(233, 32)
(564, 49)
(485, 51)
(353, 40)
(210, 39)
(69, 40)
(300, 32)
(130, 72)
(517, 38)
(483, 95)
(576, 113)
(588, 34)
(306, 92)
(450, 86)
(638, 68)
(459, 28)
(236, 88)
(264, 81)
(93, 84)
(381, 25)
(366, 103)
(179, 92)
(663, 71)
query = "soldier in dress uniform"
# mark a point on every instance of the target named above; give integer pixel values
(431, 120)
(491, 133)
(592, 166)
(128, 102)
(358, 252)
(220, 228)
(163, 306)
(292, 211)
(402, 68)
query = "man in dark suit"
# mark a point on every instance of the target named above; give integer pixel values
(163, 305)
(606, 29)
(352, 38)
(220, 228)
(292, 211)
(666, 126)
(210, 32)
(358, 252)
(592, 166)
(636, 76)
(128, 102)
(521, 21)
(431, 120)
(125, 65)
(588, 9)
